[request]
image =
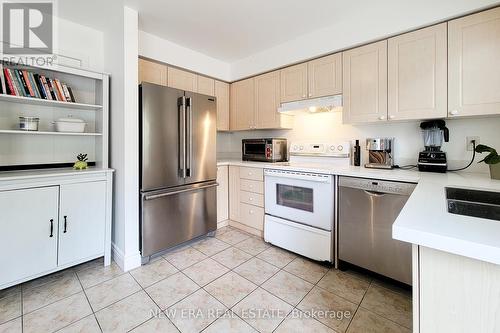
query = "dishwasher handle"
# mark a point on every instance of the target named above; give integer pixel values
(374, 193)
(375, 187)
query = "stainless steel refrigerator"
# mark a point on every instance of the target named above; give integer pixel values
(177, 166)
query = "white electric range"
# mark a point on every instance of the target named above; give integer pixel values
(300, 206)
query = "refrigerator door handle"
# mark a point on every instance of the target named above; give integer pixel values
(189, 136)
(182, 136)
(156, 196)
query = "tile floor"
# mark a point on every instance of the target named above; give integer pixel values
(231, 283)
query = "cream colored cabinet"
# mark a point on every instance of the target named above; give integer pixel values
(180, 79)
(325, 76)
(234, 193)
(417, 74)
(222, 95)
(222, 193)
(152, 72)
(267, 101)
(474, 64)
(206, 85)
(242, 99)
(365, 83)
(293, 83)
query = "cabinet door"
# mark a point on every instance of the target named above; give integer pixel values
(26, 243)
(179, 79)
(325, 76)
(294, 83)
(152, 72)
(82, 220)
(242, 112)
(267, 100)
(222, 193)
(222, 95)
(417, 75)
(234, 193)
(474, 64)
(206, 85)
(365, 83)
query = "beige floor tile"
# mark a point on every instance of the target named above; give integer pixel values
(156, 325)
(171, 290)
(256, 270)
(10, 307)
(262, 310)
(288, 287)
(253, 245)
(232, 257)
(276, 256)
(195, 312)
(57, 315)
(368, 322)
(127, 313)
(153, 272)
(233, 236)
(99, 262)
(230, 288)
(205, 271)
(306, 269)
(223, 230)
(389, 304)
(95, 275)
(330, 309)
(393, 287)
(298, 322)
(59, 287)
(185, 257)
(345, 285)
(44, 279)
(210, 246)
(13, 326)
(10, 291)
(111, 291)
(85, 325)
(229, 323)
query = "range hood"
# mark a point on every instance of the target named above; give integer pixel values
(313, 105)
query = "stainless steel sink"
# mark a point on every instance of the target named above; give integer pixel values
(484, 204)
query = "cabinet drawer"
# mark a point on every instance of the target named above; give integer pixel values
(252, 186)
(252, 216)
(252, 198)
(252, 173)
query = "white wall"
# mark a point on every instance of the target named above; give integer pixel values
(153, 47)
(328, 126)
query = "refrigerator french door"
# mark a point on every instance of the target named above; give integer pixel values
(178, 166)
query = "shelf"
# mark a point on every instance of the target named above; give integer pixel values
(47, 133)
(47, 102)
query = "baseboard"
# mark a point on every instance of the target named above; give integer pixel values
(246, 228)
(126, 263)
(222, 224)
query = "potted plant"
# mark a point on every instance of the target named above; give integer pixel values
(492, 159)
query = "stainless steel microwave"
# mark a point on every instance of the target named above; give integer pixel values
(264, 150)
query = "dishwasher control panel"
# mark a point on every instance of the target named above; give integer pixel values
(375, 185)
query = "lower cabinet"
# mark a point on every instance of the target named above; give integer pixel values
(222, 193)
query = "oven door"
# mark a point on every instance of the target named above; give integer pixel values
(300, 197)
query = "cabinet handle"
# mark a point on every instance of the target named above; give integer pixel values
(51, 228)
(65, 224)
(310, 94)
(251, 199)
(304, 96)
(381, 118)
(392, 116)
(251, 212)
(453, 112)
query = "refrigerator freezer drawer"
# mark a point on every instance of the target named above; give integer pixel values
(173, 217)
(307, 241)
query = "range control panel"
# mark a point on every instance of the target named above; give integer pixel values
(342, 148)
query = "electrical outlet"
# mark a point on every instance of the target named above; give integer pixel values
(469, 144)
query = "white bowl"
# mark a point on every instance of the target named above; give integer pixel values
(72, 125)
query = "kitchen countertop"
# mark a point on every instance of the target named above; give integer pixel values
(41, 173)
(424, 219)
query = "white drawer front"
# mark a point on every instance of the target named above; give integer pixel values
(252, 173)
(252, 198)
(252, 186)
(252, 216)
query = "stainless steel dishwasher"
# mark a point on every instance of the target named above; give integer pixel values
(367, 210)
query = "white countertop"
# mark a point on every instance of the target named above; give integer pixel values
(41, 173)
(424, 219)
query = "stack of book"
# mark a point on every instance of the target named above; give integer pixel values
(18, 82)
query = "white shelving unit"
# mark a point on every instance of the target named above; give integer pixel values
(22, 149)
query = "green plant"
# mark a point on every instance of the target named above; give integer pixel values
(491, 158)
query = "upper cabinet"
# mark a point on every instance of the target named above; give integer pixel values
(242, 111)
(417, 74)
(365, 83)
(206, 85)
(325, 76)
(267, 101)
(474, 64)
(180, 79)
(152, 72)
(222, 95)
(294, 83)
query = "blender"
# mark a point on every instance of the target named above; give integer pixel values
(433, 159)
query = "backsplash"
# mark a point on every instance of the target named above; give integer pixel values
(328, 126)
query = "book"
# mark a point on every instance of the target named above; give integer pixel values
(17, 81)
(51, 89)
(60, 90)
(2, 80)
(34, 86)
(47, 89)
(53, 85)
(26, 79)
(66, 93)
(40, 86)
(71, 95)
(10, 83)
(24, 84)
